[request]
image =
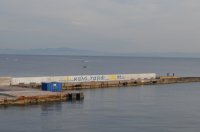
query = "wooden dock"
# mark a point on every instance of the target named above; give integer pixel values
(24, 96)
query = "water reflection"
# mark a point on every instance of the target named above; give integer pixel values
(156, 108)
(48, 108)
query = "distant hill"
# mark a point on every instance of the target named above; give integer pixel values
(165, 54)
(51, 51)
(70, 51)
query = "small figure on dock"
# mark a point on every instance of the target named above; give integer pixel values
(167, 74)
(173, 74)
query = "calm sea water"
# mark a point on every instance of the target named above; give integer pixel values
(153, 108)
(11, 65)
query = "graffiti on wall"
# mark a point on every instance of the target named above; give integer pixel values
(89, 78)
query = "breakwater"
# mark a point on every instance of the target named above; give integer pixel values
(30, 87)
(87, 81)
(82, 78)
(96, 81)
(171, 79)
(127, 83)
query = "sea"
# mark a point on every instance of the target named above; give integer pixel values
(150, 108)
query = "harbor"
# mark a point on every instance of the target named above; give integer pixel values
(36, 90)
(95, 66)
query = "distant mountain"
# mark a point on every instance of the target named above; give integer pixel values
(70, 51)
(165, 54)
(51, 51)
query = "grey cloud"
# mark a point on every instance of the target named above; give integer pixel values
(107, 25)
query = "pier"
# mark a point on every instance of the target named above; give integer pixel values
(101, 81)
(28, 90)
(127, 83)
(24, 96)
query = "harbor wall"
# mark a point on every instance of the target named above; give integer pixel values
(82, 78)
(168, 80)
(96, 81)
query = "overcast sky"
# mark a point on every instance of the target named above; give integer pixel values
(102, 25)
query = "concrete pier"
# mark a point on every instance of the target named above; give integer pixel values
(96, 81)
(101, 81)
(127, 83)
(122, 83)
(24, 96)
(20, 91)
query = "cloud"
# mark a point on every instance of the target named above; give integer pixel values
(110, 25)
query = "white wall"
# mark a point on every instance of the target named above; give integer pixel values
(82, 78)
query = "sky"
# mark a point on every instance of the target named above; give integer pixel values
(116, 26)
